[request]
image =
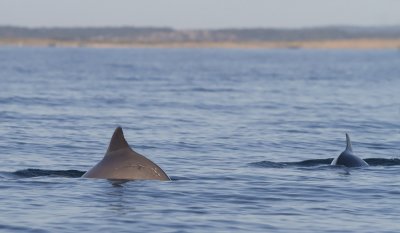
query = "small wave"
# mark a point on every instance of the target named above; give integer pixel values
(319, 162)
(202, 89)
(29, 173)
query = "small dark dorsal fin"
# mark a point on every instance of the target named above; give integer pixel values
(117, 141)
(348, 142)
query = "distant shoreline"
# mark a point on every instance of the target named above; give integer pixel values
(339, 37)
(315, 44)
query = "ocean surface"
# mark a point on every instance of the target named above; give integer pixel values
(247, 137)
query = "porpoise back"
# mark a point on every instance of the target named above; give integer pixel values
(122, 163)
(347, 158)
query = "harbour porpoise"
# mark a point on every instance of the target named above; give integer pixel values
(347, 158)
(122, 163)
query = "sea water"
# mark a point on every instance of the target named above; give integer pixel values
(247, 137)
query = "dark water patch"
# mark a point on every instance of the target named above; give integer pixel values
(268, 164)
(29, 173)
(321, 162)
(312, 162)
(304, 163)
(383, 162)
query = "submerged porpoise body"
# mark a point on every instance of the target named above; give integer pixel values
(122, 163)
(347, 158)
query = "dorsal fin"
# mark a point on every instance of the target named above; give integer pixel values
(348, 143)
(117, 141)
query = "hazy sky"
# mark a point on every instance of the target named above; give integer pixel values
(200, 13)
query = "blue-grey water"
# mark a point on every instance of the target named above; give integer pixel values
(247, 137)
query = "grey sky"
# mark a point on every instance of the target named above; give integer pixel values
(200, 13)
